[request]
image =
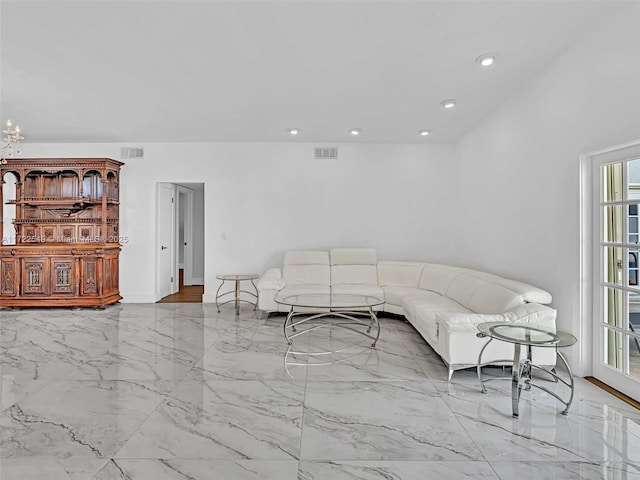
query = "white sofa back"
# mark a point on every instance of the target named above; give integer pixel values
(306, 267)
(353, 266)
(438, 278)
(399, 274)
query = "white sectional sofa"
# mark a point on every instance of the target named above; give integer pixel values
(443, 303)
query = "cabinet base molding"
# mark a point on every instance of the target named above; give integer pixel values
(59, 276)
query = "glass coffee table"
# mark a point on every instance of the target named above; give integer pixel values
(311, 311)
(528, 336)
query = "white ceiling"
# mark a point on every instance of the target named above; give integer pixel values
(183, 71)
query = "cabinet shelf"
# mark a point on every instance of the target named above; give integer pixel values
(20, 221)
(60, 201)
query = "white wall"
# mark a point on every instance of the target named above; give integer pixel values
(272, 197)
(518, 170)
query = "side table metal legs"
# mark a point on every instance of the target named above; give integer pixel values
(236, 295)
(521, 377)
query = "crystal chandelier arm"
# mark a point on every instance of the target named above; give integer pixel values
(11, 141)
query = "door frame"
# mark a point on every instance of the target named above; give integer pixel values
(589, 351)
(188, 231)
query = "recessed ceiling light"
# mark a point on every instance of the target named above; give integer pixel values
(449, 103)
(424, 133)
(355, 131)
(294, 131)
(487, 59)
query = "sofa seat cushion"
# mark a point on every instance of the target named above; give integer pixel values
(394, 294)
(421, 310)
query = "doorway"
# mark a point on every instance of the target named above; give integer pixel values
(180, 242)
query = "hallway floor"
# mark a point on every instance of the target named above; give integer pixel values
(178, 391)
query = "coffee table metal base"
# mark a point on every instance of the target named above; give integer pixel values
(294, 325)
(521, 376)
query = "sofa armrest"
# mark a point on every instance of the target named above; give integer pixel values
(271, 280)
(529, 313)
(468, 318)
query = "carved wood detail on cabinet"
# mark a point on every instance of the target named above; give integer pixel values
(65, 248)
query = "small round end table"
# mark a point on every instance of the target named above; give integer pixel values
(237, 278)
(521, 334)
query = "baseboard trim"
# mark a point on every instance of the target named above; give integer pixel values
(209, 298)
(128, 298)
(616, 393)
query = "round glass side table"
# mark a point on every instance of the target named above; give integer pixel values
(237, 299)
(528, 336)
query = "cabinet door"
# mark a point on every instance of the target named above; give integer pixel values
(89, 276)
(8, 277)
(63, 276)
(110, 274)
(35, 276)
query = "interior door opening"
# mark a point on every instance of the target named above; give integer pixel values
(180, 220)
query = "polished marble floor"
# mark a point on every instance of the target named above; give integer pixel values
(178, 391)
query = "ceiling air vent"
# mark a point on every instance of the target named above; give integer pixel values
(325, 153)
(128, 152)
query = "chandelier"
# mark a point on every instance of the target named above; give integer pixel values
(10, 141)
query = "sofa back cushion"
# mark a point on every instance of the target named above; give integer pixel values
(480, 294)
(437, 278)
(302, 267)
(353, 266)
(400, 274)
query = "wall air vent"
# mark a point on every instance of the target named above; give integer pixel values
(325, 153)
(132, 152)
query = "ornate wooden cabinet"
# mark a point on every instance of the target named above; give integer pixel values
(65, 243)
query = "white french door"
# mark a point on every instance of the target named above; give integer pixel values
(616, 286)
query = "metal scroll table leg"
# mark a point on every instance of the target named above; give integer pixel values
(484, 389)
(288, 320)
(571, 383)
(374, 321)
(515, 381)
(255, 306)
(237, 297)
(218, 295)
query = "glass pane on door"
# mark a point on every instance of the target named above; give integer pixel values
(612, 348)
(613, 265)
(613, 223)
(612, 182)
(613, 306)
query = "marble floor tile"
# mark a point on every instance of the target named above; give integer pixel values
(396, 470)
(552, 470)
(47, 468)
(338, 355)
(231, 419)
(180, 391)
(72, 418)
(235, 360)
(591, 432)
(381, 421)
(199, 469)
